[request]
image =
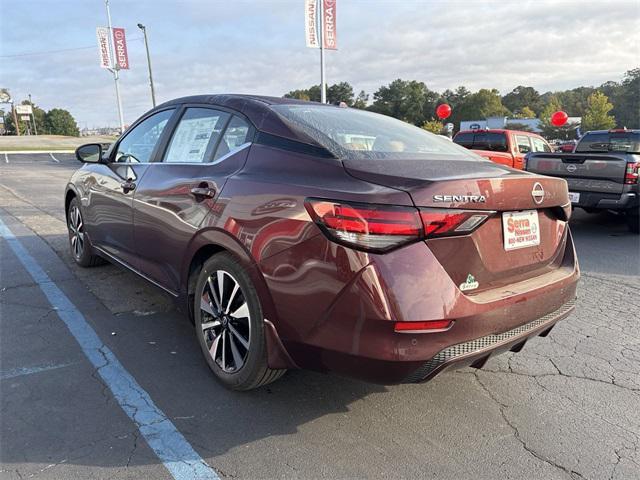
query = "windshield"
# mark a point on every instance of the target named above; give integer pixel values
(609, 142)
(358, 134)
(491, 141)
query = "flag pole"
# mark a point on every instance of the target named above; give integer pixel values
(115, 68)
(323, 83)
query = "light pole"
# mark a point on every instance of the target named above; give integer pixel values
(146, 46)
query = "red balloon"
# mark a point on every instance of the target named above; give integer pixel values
(559, 118)
(443, 111)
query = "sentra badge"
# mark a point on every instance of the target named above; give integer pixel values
(460, 198)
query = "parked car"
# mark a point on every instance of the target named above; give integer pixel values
(602, 172)
(507, 147)
(302, 235)
(567, 146)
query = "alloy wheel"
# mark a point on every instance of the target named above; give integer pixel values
(225, 321)
(76, 231)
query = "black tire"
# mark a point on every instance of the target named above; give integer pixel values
(228, 340)
(633, 218)
(79, 245)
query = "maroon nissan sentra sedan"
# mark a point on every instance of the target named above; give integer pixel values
(302, 235)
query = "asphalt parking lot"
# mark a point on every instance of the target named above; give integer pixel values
(566, 406)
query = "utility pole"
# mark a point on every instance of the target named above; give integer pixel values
(15, 118)
(33, 117)
(115, 68)
(323, 86)
(146, 46)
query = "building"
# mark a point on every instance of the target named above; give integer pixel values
(532, 124)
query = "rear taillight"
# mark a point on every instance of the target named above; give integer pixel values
(380, 228)
(631, 174)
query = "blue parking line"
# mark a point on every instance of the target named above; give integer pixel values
(175, 452)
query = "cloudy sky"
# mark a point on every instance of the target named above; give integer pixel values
(48, 47)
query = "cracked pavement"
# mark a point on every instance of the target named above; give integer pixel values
(566, 406)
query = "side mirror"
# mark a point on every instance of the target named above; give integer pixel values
(89, 153)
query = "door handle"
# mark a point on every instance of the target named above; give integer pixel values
(203, 191)
(128, 186)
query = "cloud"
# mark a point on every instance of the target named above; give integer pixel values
(258, 47)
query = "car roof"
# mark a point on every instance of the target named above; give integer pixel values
(499, 130)
(257, 109)
(615, 130)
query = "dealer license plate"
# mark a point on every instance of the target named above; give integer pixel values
(520, 229)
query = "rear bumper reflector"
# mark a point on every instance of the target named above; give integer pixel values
(485, 344)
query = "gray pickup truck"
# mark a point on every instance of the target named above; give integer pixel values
(602, 172)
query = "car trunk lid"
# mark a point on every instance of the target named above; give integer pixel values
(480, 258)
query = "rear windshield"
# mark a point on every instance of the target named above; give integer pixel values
(609, 142)
(496, 142)
(358, 134)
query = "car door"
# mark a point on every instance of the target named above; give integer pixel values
(523, 146)
(109, 211)
(179, 190)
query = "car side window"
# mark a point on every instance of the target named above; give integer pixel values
(138, 144)
(234, 137)
(196, 136)
(539, 145)
(523, 143)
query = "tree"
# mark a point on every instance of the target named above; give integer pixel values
(597, 116)
(521, 97)
(550, 131)
(433, 126)
(627, 102)
(38, 116)
(298, 94)
(361, 100)
(526, 112)
(410, 101)
(340, 92)
(336, 93)
(60, 122)
(480, 105)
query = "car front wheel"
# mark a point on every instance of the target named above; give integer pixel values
(229, 325)
(79, 244)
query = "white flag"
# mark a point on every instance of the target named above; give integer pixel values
(104, 49)
(311, 23)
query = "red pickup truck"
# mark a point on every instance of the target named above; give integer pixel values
(507, 147)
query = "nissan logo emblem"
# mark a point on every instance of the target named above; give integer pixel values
(571, 168)
(537, 193)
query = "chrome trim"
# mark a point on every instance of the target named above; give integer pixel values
(137, 272)
(486, 343)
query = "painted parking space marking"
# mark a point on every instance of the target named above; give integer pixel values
(22, 371)
(54, 158)
(6, 157)
(175, 452)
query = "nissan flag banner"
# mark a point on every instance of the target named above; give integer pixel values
(330, 36)
(120, 46)
(329, 24)
(103, 47)
(311, 23)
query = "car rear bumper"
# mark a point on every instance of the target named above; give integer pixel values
(608, 201)
(356, 336)
(476, 352)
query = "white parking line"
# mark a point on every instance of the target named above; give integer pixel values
(6, 157)
(19, 372)
(170, 446)
(53, 158)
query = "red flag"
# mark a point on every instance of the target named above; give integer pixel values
(120, 45)
(330, 33)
